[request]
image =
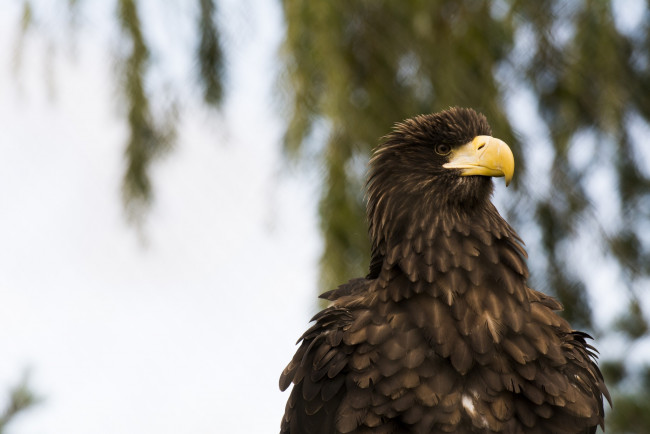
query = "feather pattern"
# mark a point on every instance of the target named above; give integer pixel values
(443, 335)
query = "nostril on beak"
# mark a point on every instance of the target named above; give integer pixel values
(481, 142)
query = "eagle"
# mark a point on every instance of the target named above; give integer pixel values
(443, 334)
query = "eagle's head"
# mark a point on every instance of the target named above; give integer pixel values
(435, 162)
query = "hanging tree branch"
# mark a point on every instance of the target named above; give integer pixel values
(146, 140)
(21, 398)
(209, 54)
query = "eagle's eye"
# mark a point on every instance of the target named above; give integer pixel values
(443, 149)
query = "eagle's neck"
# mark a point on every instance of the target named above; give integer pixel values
(445, 250)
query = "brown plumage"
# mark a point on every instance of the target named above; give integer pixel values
(443, 335)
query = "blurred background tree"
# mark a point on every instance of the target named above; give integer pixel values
(20, 399)
(565, 83)
(150, 111)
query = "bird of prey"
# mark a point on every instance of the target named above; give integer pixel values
(444, 334)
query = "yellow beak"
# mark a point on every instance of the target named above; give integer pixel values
(484, 156)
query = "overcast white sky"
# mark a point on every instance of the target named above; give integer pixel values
(190, 332)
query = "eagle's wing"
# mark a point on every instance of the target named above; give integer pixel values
(316, 372)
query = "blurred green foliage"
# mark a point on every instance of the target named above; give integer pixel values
(146, 139)
(151, 120)
(209, 54)
(20, 399)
